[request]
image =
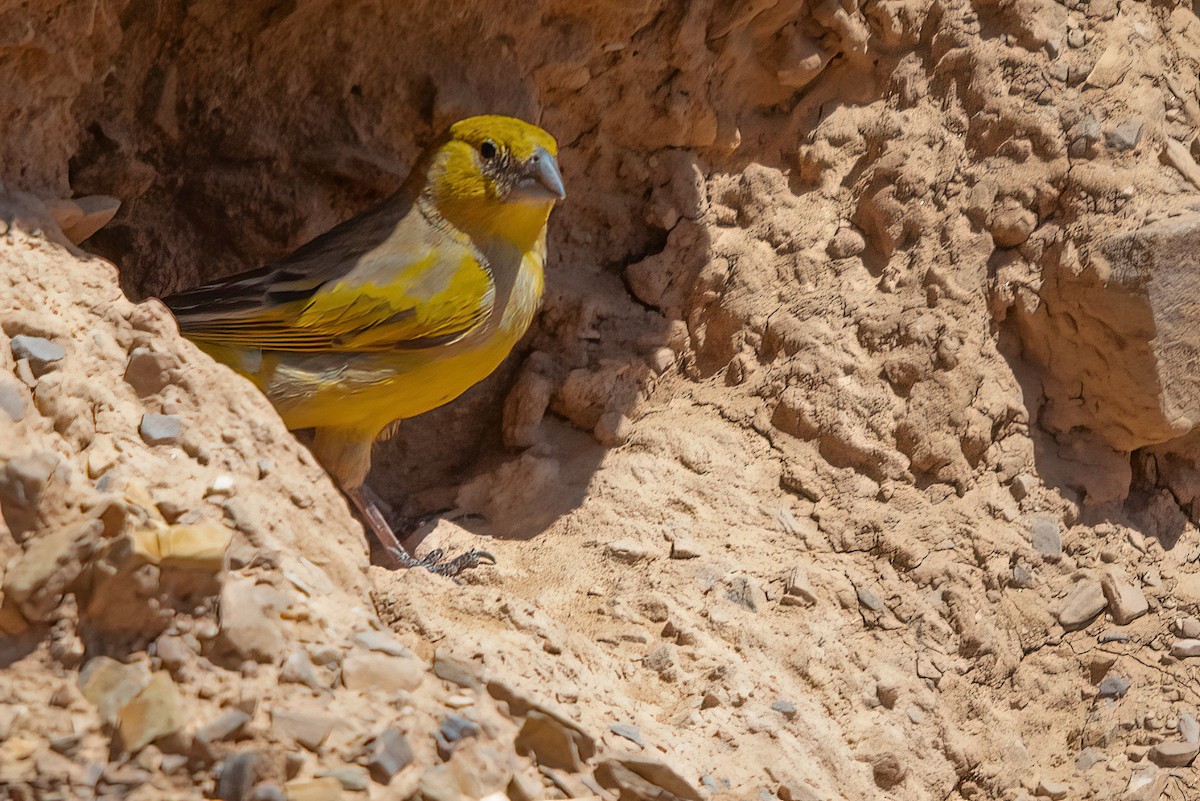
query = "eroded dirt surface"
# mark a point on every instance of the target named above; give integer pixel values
(852, 455)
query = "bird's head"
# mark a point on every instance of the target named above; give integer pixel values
(495, 176)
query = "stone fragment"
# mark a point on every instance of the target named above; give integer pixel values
(147, 371)
(352, 778)
(870, 601)
(455, 670)
(24, 481)
(1084, 601)
(109, 685)
(1126, 602)
(612, 775)
(198, 546)
(226, 726)
(250, 625)
(1185, 649)
(160, 429)
(1110, 68)
(1045, 536)
(661, 360)
(238, 772)
(628, 551)
(1174, 754)
(153, 713)
(1113, 687)
(298, 669)
(1126, 135)
(310, 731)
(527, 401)
(662, 775)
(627, 730)
(452, 730)
(546, 739)
(1188, 627)
(367, 672)
(12, 398)
(326, 788)
(390, 753)
(41, 354)
(1022, 486)
(1146, 784)
(1055, 791)
(520, 704)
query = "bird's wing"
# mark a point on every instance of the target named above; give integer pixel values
(391, 280)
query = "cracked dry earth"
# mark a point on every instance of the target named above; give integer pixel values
(853, 455)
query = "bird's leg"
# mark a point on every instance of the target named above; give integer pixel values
(367, 504)
(346, 455)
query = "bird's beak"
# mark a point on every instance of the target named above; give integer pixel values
(542, 182)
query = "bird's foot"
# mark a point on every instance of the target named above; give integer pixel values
(432, 561)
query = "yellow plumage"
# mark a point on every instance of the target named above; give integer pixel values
(400, 309)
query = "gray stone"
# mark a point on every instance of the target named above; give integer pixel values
(1045, 535)
(1022, 576)
(390, 753)
(1185, 649)
(1113, 687)
(310, 731)
(454, 729)
(628, 731)
(785, 708)
(455, 670)
(12, 398)
(1126, 135)
(238, 772)
(227, 726)
(1174, 754)
(1082, 604)
(41, 354)
(160, 429)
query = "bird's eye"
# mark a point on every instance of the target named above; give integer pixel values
(488, 150)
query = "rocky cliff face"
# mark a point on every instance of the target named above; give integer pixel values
(853, 453)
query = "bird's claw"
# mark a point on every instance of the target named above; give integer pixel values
(432, 561)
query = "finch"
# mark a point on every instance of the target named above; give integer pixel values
(398, 310)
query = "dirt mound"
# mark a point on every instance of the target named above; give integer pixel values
(853, 454)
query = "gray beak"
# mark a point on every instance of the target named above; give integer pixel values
(542, 179)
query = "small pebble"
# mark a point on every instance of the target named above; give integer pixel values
(160, 429)
(41, 354)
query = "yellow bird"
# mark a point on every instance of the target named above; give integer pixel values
(398, 310)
